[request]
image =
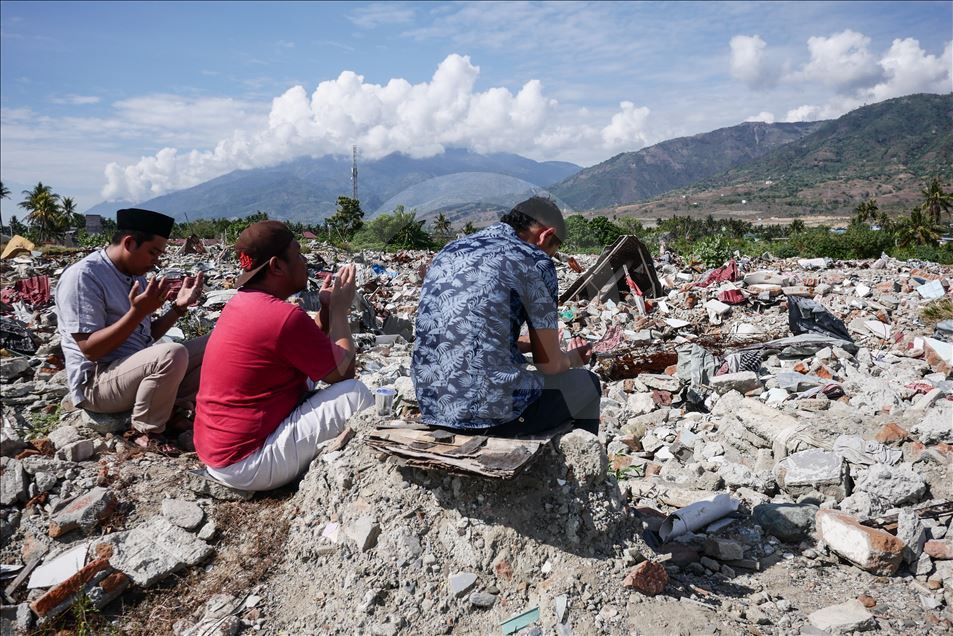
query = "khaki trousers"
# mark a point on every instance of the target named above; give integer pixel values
(151, 383)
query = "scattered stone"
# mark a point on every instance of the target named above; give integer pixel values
(85, 512)
(893, 485)
(788, 522)
(939, 549)
(867, 601)
(208, 531)
(742, 382)
(912, 532)
(103, 423)
(724, 549)
(810, 470)
(77, 451)
(844, 618)
(461, 583)
(14, 483)
(364, 532)
(871, 549)
(647, 577)
(13, 368)
(482, 599)
(585, 456)
(64, 436)
(152, 551)
(185, 514)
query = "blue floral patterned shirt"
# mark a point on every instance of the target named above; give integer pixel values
(478, 293)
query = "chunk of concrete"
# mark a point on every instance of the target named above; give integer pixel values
(814, 469)
(742, 382)
(461, 583)
(14, 483)
(64, 436)
(364, 532)
(939, 355)
(85, 512)
(936, 426)
(724, 549)
(911, 531)
(892, 485)
(104, 423)
(185, 514)
(152, 551)
(13, 368)
(788, 522)
(870, 549)
(77, 451)
(585, 456)
(844, 618)
(10, 441)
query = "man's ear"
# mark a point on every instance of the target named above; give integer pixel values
(128, 243)
(543, 237)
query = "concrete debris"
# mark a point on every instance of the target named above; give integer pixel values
(843, 618)
(870, 549)
(155, 549)
(744, 409)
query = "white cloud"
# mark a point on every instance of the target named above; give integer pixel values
(841, 61)
(764, 116)
(378, 13)
(627, 128)
(416, 119)
(76, 100)
(909, 69)
(749, 62)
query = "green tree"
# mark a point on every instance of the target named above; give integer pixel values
(4, 194)
(577, 232)
(630, 225)
(442, 229)
(46, 217)
(469, 228)
(16, 227)
(74, 219)
(917, 229)
(398, 230)
(603, 231)
(865, 211)
(796, 227)
(936, 202)
(346, 220)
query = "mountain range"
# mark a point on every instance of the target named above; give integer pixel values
(885, 150)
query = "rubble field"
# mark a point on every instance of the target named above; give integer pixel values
(774, 457)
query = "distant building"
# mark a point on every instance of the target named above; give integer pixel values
(94, 224)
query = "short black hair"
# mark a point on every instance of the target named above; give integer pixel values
(538, 210)
(138, 236)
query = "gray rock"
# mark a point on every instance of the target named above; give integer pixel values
(10, 441)
(77, 451)
(13, 368)
(935, 427)
(200, 483)
(218, 618)
(724, 549)
(185, 514)
(482, 599)
(847, 617)
(742, 382)
(461, 583)
(893, 485)
(85, 512)
(797, 382)
(661, 382)
(710, 563)
(152, 551)
(585, 456)
(45, 482)
(364, 532)
(104, 423)
(910, 530)
(207, 532)
(788, 522)
(14, 483)
(815, 469)
(64, 436)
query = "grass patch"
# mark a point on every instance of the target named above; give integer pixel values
(937, 311)
(42, 424)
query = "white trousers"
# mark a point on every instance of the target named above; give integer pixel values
(288, 451)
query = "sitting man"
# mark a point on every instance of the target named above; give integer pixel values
(258, 422)
(104, 307)
(468, 367)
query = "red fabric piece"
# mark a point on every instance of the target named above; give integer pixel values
(255, 370)
(724, 274)
(919, 387)
(731, 296)
(35, 291)
(9, 295)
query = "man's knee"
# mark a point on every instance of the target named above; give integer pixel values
(357, 394)
(172, 360)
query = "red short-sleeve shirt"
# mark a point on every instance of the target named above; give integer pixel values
(254, 372)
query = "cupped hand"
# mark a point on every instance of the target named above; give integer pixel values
(343, 289)
(191, 290)
(149, 300)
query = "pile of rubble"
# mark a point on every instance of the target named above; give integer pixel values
(774, 457)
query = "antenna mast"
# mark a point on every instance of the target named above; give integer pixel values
(354, 172)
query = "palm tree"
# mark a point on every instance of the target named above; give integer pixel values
(4, 194)
(936, 202)
(917, 230)
(71, 217)
(866, 210)
(43, 211)
(796, 227)
(441, 227)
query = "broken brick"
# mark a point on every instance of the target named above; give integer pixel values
(62, 592)
(871, 549)
(937, 549)
(891, 433)
(647, 577)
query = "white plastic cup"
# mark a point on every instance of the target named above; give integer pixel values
(384, 401)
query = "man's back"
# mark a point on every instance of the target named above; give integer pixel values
(478, 293)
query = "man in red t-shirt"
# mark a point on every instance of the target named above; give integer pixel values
(257, 422)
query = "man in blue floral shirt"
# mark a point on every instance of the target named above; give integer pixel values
(468, 366)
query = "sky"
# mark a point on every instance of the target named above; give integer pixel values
(130, 100)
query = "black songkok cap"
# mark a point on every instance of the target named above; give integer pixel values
(144, 221)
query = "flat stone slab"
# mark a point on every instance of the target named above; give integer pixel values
(813, 469)
(185, 514)
(847, 617)
(154, 550)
